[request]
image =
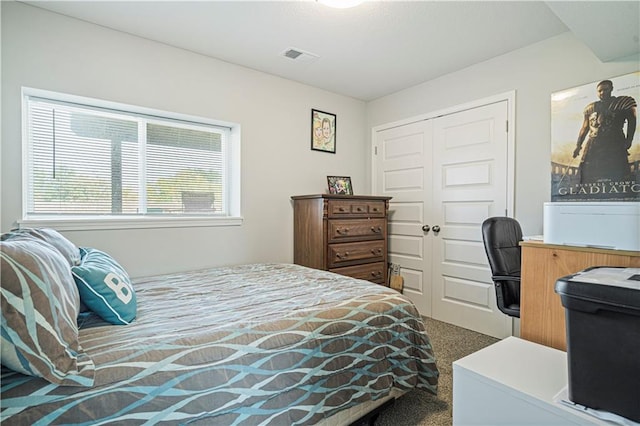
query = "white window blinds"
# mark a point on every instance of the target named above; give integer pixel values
(85, 160)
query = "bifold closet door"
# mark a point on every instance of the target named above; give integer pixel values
(446, 175)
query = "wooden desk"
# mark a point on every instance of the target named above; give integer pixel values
(542, 316)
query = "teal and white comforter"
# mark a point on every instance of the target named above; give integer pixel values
(254, 344)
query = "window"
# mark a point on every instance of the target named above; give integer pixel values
(89, 160)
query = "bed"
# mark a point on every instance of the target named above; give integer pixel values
(252, 344)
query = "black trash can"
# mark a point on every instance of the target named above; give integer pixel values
(602, 311)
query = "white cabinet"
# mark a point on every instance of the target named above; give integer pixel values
(513, 382)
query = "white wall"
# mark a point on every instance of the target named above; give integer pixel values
(48, 51)
(534, 73)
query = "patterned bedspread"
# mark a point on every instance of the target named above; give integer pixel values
(254, 344)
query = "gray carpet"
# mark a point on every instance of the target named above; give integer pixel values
(419, 408)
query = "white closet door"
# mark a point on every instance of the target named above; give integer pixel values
(447, 173)
(470, 183)
(403, 171)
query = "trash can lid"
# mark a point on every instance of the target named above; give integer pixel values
(604, 285)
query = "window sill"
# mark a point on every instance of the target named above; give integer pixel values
(84, 223)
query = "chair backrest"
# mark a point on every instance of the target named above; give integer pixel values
(501, 237)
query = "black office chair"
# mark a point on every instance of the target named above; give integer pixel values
(501, 237)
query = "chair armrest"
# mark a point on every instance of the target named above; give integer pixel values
(505, 278)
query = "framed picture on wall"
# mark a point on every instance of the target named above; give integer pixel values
(323, 131)
(340, 185)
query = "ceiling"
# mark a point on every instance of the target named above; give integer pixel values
(374, 49)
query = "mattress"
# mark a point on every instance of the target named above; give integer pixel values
(239, 345)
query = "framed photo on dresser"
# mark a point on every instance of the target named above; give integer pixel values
(340, 185)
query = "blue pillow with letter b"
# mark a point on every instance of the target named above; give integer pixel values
(105, 287)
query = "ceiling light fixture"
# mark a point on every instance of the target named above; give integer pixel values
(341, 4)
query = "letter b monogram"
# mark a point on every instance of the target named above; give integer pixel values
(119, 287)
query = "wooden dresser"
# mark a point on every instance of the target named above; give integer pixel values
(346, 234)
(542, 316)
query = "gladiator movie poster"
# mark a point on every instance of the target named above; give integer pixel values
(595, 148)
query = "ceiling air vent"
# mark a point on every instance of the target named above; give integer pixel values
(299, 55)
(292, 53)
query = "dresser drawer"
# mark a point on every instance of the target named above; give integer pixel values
(370, 271)
(356, 208)
(356, 229)
(350, 253)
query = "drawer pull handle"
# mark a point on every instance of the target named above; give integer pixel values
(376, 251)
(342, 231)
(376, 274)
(376, 230)
(359, 209)
(340, 209)
(340, 256)
(374, 209)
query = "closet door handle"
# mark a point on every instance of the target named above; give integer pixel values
(436, 228)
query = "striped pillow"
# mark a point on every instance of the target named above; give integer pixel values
(40, 304)
(51, 236)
